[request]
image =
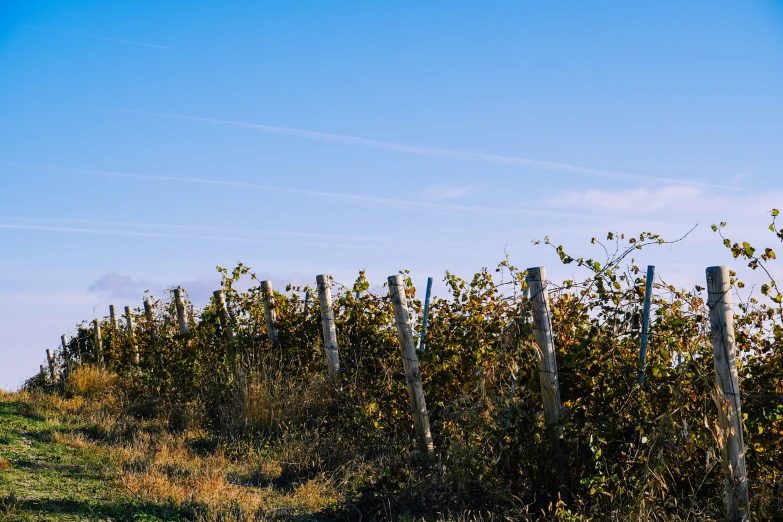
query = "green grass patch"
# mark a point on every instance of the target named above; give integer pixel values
(45, 480)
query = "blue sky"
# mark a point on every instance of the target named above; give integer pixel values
(141, 144)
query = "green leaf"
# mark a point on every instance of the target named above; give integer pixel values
(748, 249)
(774, 212)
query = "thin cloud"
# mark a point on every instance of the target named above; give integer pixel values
(336, 195)
(447, 192)
(638, 200)
(220, 229)
(96, 37)
(228, 239)
(550, 166)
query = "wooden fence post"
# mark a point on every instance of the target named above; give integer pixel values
(410, 362)
(327, 324)
(66, 352)
(149, 317)
(43, 372)
(225, 324)
(425, 315)
(182, 317)
(648, 288)
(98, 343)
(113, 317)
(727, 398)
(50, 359)
(547, 362)
(129, 327)
(270, 314)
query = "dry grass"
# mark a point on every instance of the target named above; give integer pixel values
(90, 382)
(299, 473)
(266, 401)
(154, 465)
(164, 469)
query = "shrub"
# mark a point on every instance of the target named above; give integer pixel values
(628, 451)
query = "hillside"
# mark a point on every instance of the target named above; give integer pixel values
(49, 470)
(617, 397)
(68, 460)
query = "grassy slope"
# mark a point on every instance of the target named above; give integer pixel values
(43, 478)
(80, 459)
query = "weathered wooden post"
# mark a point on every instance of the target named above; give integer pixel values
(410, 362)
(727, 398)
(66, 351)
(327, 324)
(50, 359)
(129, 328)
(225, 324)
(182, 317)
(426, 312)
(113, 317)
(98, 343)
(149, 316)
(43, 372)
(270, 314)
(648, 288)
(547, 362)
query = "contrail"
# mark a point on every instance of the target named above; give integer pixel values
(104, 232)
(83, 35)
(430, 151)
(336, 195)
(221, 229)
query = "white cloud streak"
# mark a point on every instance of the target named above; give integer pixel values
(108, 232)
(446, 192)
(96, 37)
(638, 201)
(550, 166)
(302, 235)
(335, 195)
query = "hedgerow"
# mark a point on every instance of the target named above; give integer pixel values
(629, 451)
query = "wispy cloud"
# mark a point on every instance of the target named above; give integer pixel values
(336, 195)
(447, 192)
(97, 37)
(550, 166)
(159, 226)
(638, 201)
(228, 239)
